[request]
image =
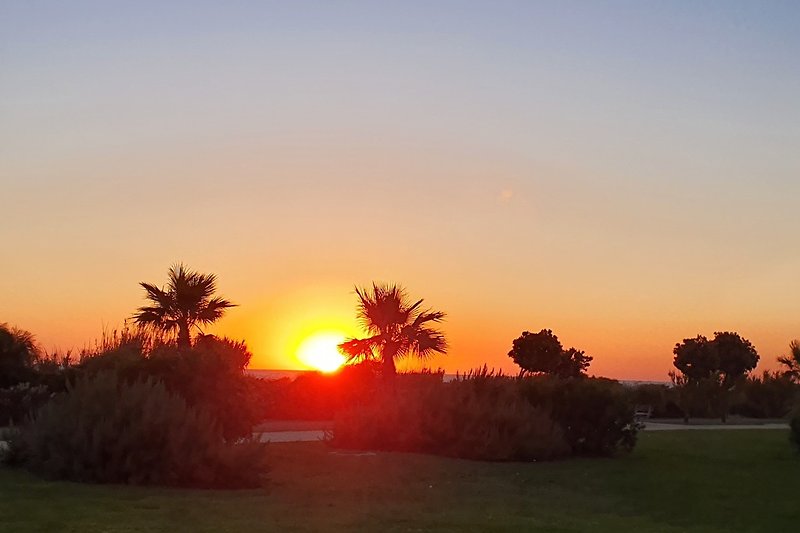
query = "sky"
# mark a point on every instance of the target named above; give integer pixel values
(626, 174)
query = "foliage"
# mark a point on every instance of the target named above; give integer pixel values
(727, 354)
(712, 369)
(772, 395)
(209, 376)
(187, 302)
(663, 399)
(106, 429)
(488, 416)
(596, 414)
(542, 353)
(20, 402)
(696, 358)
(18, 355)
(481, 417)
(737, 356)
(397, 327)
(791, 362)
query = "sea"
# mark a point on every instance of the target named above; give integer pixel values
(271, 374)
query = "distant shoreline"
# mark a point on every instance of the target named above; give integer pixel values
(292, 374)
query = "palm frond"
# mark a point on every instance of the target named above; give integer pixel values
(426, 342)
(355, 349)
(156, 295)
(187, 300)
(213, 310)
(428, 316)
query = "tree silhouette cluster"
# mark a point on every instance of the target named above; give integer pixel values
(710, 369)
(727, 357)
(542, 353)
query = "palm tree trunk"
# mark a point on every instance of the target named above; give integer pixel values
(184, 339)
(389, 370)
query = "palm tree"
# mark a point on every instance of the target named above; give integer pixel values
(396, 327)
(18, 355)
(186, 303)
(791, 362)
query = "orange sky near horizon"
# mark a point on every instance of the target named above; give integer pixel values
(626, 175)
(480, 326)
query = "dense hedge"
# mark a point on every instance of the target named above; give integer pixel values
(596, 414)
(107, 429)
(483, 416)
(209, 376)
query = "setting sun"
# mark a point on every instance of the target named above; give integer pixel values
(319, 351)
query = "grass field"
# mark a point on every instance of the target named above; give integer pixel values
(722, 481)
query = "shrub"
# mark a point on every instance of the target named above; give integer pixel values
(209, 376)
(596, 414)
(21, 401)
(663, 399)
(770, 396)
(481, 417)
(108, 430)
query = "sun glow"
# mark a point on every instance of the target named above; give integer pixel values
(319, 351)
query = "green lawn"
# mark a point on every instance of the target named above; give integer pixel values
(722, 481)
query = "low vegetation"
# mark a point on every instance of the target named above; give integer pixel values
(106, 429)
(674, 481)
(492, 417)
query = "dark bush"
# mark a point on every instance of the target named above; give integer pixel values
(663, 399)
(486, 416)
(596, 414)
(105, 429)
(20, 402)
(209, 376)
(18, 355)
(475, 418)
(770, 396)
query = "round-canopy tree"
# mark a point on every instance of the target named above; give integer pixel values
(542, 353)
(737, 356)
(727, 356)
(186, 302)
(696, 358)
(718, 363)
(397, 327)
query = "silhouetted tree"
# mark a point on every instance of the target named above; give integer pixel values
(397, 327)
(714, 367)
(791, 362)
(737, 356)
(543, 353)
(187, 302)
(696, 358)
(573, 363)
(18, 355)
